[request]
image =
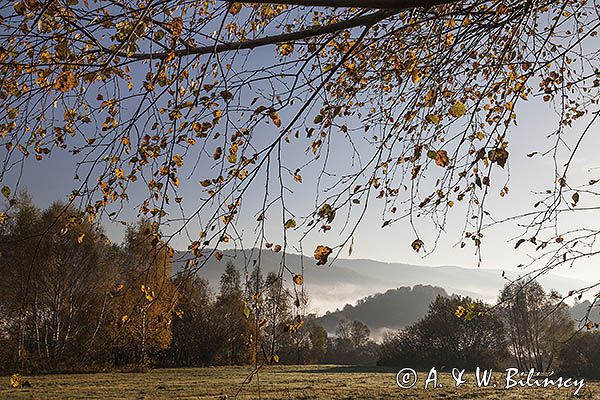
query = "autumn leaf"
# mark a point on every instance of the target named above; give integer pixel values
(460, 311)
(441, 158)
(290, 224)
(589, 326)
(417, 244)
(275, 117)
(226, 95)
(80, 238)
(275, 358)
(277, 248)
(321, 254)
(286, 48)
(178, 160)
(149, 294)
(16, 381)
(66, 81)
(218, 255)
(575, 199)
(433, 119)
(457, 110)
(6, 192)
(235, 8)
(246, 312)
(498, 156)
(298, 279)
(218, 153)
(326, 211)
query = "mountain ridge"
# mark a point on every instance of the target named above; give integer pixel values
(348, 280)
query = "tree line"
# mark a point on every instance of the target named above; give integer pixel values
(528, 328)
(70, 300)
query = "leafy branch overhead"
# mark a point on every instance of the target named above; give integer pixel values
(197, 115)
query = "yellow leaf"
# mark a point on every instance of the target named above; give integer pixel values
(321, 254)
(458, 109)
(6, 191)
(276, 358)
(433, 119)
(119, 173)
(417, 75)
(246, 312)
(80, 238)
(275, 118)
(16, 381)
(298, 279)
(178, 160)
(286, 48)
(235, 8)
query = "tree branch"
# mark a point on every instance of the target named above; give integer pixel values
(376, 4)
(364, 20)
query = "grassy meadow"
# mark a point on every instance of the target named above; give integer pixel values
(276, 382)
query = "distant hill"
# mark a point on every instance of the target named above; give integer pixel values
(394, 309)
(346, 281)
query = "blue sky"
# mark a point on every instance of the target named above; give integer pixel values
(51, 180)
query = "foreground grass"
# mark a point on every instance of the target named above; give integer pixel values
(276, 382)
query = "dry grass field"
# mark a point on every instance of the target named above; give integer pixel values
(277, 382)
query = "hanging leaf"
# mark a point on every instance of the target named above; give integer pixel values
(326, 211)
(218, 255)
(298, 280)
(235, 8)
(457, 110)
(275, 117)
(498, 156)
(575, 198)
(441, 158)
(321, 254)
(290, 224)
(275, 358)
(246, 312)
(80, 238)
(6, 191)
(417, 244)
(433, 119)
